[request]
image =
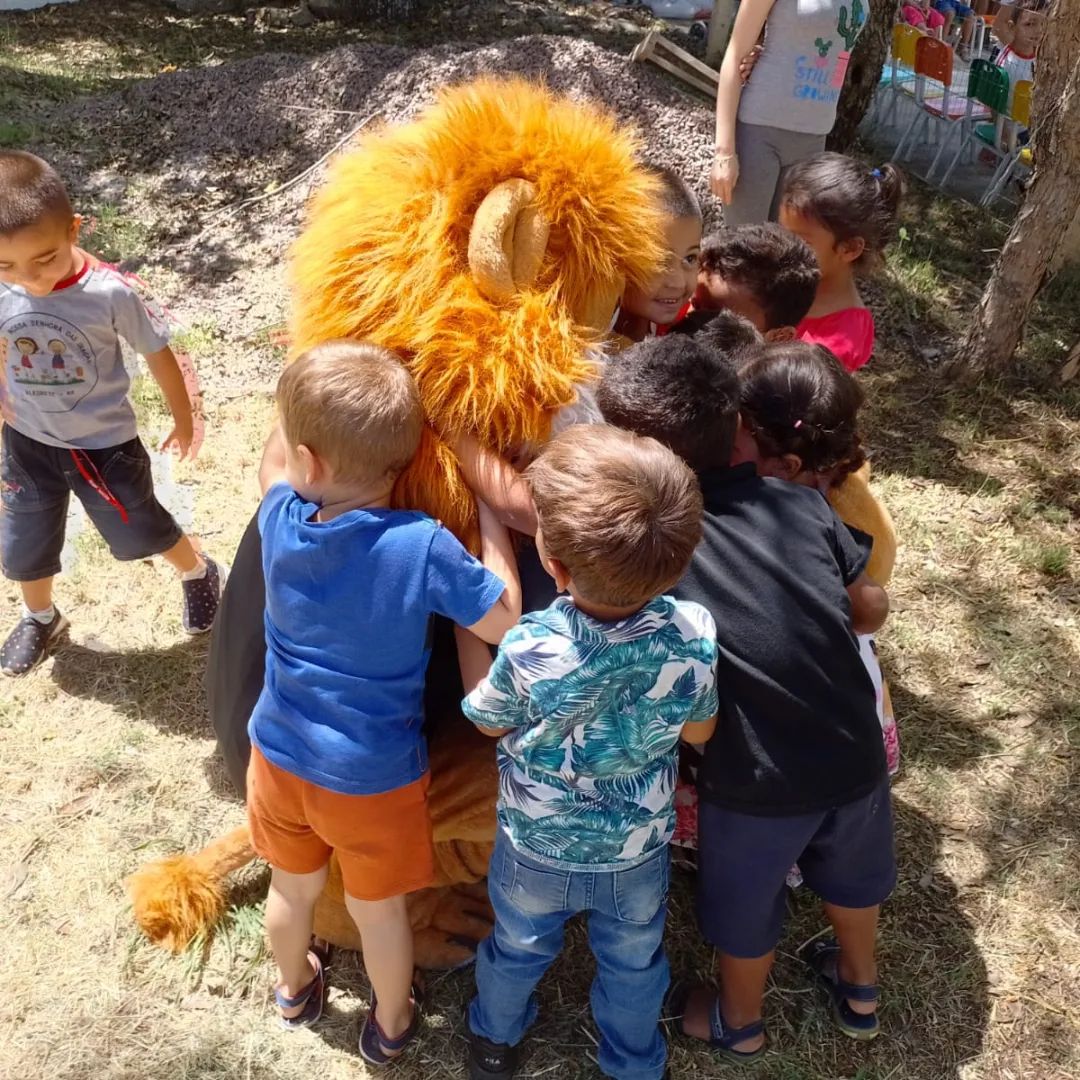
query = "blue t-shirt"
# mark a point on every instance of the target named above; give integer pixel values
(587, 776)
(348, 608)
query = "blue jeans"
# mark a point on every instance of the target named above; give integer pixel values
(627, 909)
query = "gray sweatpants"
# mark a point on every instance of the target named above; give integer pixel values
(765, 153)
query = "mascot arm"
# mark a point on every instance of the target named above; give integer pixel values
(496, 482)
(869, 604)
(497, 555)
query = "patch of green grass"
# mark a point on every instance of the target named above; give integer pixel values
(1053, 560)
(115, 235)
(14, 134)
(198, 340)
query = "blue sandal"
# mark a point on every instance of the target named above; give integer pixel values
(821, 957)
(374, 1042)
(311, 997)
(722, 1038)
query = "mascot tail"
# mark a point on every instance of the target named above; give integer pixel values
(177, 898)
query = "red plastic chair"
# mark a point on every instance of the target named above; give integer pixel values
(933, 65)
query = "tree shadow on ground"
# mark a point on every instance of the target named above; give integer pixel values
(158, 686)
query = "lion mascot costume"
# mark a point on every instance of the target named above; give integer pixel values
(487, 243)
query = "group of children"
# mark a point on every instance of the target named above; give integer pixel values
(706, 596)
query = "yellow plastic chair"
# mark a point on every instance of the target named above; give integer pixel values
(899, 84)
(1011, 154)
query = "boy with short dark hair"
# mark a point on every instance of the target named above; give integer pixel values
(591, 697)
(338, 756)
(796, 771)
(762, 272)
(68, 424)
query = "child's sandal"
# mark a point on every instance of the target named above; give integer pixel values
(722, 1038)
(374, 1042)
(821, 957)
(311, 997)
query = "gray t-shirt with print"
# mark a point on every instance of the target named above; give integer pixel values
(64, 377)
(796, 82)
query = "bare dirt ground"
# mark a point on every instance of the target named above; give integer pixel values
(164, 125)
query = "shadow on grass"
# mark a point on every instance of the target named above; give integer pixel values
(162, 686)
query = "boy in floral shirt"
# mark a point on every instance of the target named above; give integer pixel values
(591, 697)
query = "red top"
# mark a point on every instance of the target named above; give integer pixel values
(847, 334)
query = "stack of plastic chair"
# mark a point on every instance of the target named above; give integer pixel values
(897, 85)
(988, 89)
(1012, 154)
(933, 65)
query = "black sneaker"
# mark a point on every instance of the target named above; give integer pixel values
(201, 598)
(490, 1060)
(28, 644)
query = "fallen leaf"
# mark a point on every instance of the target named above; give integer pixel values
(12, 875)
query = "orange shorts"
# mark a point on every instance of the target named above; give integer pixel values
(383, 842)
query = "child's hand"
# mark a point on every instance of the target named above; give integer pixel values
(746, 64)
(179, 439)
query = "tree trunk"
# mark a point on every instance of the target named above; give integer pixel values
(864, 71)
(720, 23)
(1049, 209)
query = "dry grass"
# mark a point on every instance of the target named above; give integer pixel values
(106, 758)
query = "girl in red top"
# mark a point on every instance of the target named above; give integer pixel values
(847, 214)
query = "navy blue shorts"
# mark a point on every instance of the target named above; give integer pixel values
(845, 855)
(113, 484)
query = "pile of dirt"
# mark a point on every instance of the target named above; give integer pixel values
(188, 143)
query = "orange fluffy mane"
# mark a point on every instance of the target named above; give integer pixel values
(384, 257)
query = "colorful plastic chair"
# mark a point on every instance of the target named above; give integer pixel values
(988, 88)
(899, 80)
(933, 65)
(1012, 154)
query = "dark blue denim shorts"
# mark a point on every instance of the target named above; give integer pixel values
(114, 485)
(845, 854)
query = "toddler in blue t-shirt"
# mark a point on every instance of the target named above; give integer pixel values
(591, 697)
(338, 759)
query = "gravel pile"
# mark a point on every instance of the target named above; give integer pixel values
(176, 147)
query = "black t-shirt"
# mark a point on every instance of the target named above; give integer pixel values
(798, 729)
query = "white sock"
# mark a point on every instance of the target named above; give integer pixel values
(44, 617)
(196, 574)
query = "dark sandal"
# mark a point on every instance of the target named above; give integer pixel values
(311, 997)
(722, 1038)
(821, 957)
(374, 1042)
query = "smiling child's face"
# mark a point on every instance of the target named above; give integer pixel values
(662, 298)
(40, 256)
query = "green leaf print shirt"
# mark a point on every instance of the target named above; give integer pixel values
(587, 776)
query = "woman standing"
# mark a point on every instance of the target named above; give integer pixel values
(789, 105)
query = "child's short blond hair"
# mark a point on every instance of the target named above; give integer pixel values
(354, 405)
(621, 512)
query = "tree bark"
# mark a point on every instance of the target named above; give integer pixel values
(864, 71)
(1052, 202)
(720, 23)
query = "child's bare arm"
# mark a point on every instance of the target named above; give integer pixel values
(497, 554)
(497, 483)
(167, 374)
(272, 466)
(699, 733)
(474, 658)
(869, 604)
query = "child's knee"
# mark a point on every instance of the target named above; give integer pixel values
(376, 914)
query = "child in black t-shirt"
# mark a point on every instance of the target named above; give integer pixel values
(796, 771)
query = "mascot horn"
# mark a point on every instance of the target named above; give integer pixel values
(487, 243)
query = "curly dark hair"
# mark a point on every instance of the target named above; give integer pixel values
(798, 399)
(679, 391)
(777, 268)
(722, 330)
